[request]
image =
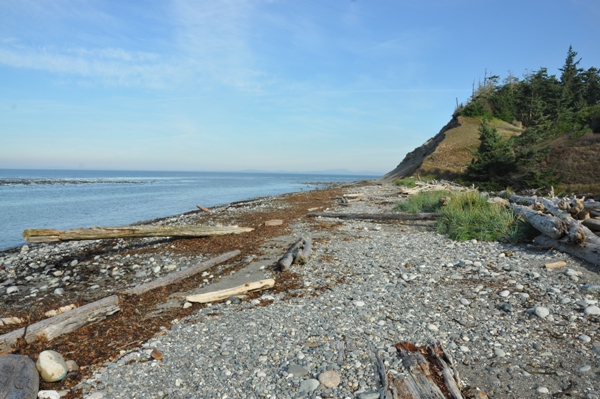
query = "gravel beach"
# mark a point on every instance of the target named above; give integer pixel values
(514, 328)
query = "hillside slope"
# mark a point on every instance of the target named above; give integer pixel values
(445, 155)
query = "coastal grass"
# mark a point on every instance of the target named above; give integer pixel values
(469, 216)
(410, 181)
(425, 201)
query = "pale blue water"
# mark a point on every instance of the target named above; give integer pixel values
(65, 199)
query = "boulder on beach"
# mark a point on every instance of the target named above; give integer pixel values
(18, 377)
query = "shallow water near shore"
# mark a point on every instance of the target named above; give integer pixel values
(65, 199)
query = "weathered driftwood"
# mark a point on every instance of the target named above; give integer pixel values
(63, 323)
(62, 309)
(6, 321)
(424, 366)
(588, 252)
(555, 265)
(562, 211)
(203, 209)
(375, 216)
(592, 205)
(592, 224)
(19, 378)
(181, 275)
(300, 250)
(96, 233)
(548, 225)
(381, 375)
(224, 294)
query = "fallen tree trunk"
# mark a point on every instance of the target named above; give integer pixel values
(63, 323)
(549, 226)
(376, 216)
(181, 275)
(588, 252)
(575, 230)
(592, 224)
(224, 294)
(424, 366)
(592, 205)
(96, 233)
(301, 249)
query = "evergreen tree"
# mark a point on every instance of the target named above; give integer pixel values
(493, 161)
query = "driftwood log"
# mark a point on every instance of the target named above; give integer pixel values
(299, 251)
(96, 233)
(63, 323)
(183, 274)
(224, 294)
(19, 378)
(375, 216)
(588, 251)
(430, 374)
(592, 224)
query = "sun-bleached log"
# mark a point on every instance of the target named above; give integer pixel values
(550, 226)
(588, 252)
(224, 294)
(97, 233)
(63, 323)
(375, 216)
(181, 275)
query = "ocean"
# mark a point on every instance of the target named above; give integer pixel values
(65, 199)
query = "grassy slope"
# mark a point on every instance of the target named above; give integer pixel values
(579, 160)
(451, 156)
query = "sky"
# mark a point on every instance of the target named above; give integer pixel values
(260, 84)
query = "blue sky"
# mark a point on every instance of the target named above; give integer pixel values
(271, 85)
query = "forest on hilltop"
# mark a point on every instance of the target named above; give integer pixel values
(548, 108)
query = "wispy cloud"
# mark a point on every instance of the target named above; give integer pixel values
(112, 66)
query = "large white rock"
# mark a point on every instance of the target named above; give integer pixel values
(52, 366)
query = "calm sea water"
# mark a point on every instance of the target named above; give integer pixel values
(65, 199)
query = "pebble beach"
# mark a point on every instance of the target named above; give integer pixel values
(514, 328)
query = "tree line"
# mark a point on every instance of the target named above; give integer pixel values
(547, 107)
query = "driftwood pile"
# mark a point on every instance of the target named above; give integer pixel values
(298, 253)
(569, 225)
(435, 185)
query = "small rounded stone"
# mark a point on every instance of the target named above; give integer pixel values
(330, 379)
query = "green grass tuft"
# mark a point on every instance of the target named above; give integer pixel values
(425, 201)
(469, 216)
(410, 181)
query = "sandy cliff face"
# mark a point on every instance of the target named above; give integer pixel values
(414, 159)
(446, 155)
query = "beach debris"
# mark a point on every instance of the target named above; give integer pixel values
(97, 233)
(274, 222)
(298, 252)
(18, 377)
(181, 275)
(203, 209)
(557, 220)
(63, 323)
(52, 366)
(6, 321)
(555, 265)
(431, 374)
(375, 216)
(226, 293)
(62, 309)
